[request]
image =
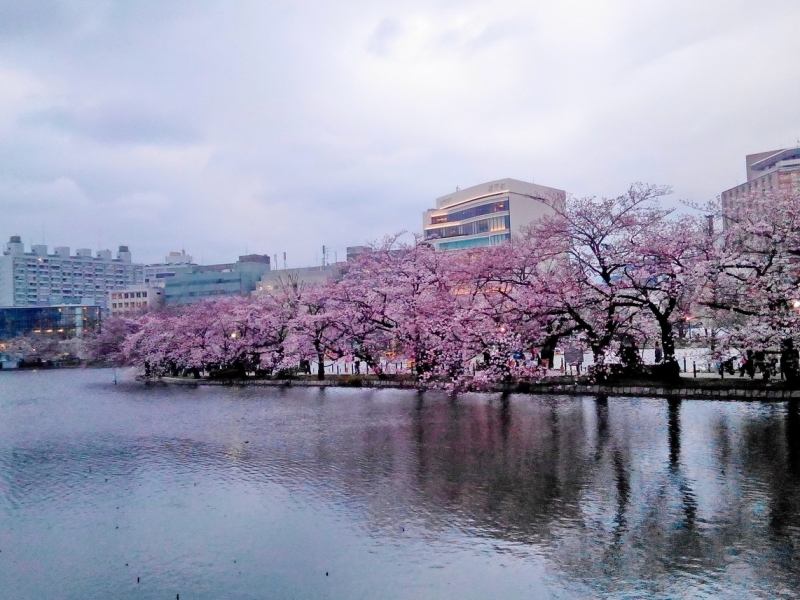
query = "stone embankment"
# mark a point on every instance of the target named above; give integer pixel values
(730, 389)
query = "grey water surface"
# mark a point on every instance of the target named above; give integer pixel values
(251, 493)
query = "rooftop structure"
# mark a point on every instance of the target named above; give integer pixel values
(488, 214)
(39, 278)
(354, 251)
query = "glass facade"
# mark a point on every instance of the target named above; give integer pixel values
(492, 240)
(469, 213)
(59, 321)
(491, 225)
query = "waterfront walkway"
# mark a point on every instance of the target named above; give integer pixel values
(711, 388)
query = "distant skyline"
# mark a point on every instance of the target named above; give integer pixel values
(274, 127)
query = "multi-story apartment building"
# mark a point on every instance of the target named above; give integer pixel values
(776, 171)
(488, 214)
(38, 278)
(198, 282)
(136, 299)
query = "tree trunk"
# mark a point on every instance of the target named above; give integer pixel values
(669, 369)
(320, 366)
(667, 340)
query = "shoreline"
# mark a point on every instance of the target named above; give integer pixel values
(657, 390)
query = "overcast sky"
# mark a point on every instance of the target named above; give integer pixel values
(221, 127)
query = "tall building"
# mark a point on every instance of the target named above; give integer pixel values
(38, 278)
(488, 214)
(198, 282)
(776, 171)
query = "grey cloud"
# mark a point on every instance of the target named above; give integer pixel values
(487, 35)
(20, 18)
(385, 33)
(216, 125)
(118, 124)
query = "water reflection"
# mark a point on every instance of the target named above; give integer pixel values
(618, 496)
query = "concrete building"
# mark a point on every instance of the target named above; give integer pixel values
(155, 274)
(487, 214)
(776, 171)
(306, 276)
(198, 282)
(62, 321)
(38, 278)
(354, 252)
(136, 299)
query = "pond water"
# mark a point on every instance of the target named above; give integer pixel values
(251, 493)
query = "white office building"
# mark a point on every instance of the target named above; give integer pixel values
(773, 172)
(156, 274)
(488, 214)
(38, 278)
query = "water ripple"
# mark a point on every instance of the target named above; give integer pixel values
(236, 492)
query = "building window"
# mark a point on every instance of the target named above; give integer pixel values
(492, 240)
(475, 227)
(469, 213)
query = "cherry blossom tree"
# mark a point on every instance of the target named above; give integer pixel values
(609, 273)
(753, 274)
(313, 330)
(665, 273)
(106, 346)
(593, 244)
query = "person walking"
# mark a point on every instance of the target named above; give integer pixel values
(659, 354)
(748, 365)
